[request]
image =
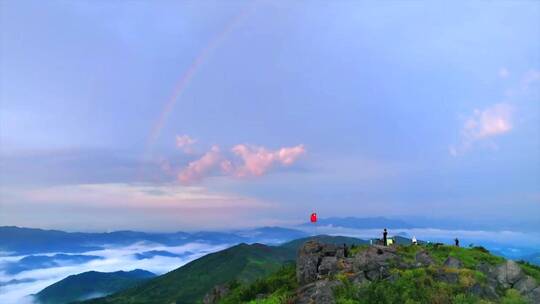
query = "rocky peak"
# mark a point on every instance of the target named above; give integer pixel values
(318, 265)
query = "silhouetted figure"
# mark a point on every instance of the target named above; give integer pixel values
(384, 237)
(345, 250)
(457, 242)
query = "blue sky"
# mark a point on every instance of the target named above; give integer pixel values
(164, 115)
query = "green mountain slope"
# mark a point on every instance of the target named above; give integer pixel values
(189, 283)
(90, 284)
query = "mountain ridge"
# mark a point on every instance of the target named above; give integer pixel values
(90, 284)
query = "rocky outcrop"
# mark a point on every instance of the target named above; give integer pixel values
(316, 260)
(328, 265)
(484, 291)
(218, 292)
(320, 292)
(452, 262)
(508, 274)
(423, 258)
(307, 262)
(375, 262)
(318, 265)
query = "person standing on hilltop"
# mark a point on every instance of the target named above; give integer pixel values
(456, 242)
(385, 237)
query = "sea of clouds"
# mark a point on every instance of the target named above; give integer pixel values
(114, 258)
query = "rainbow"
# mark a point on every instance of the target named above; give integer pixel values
(188, 75)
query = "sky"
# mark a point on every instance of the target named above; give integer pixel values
(194, 115)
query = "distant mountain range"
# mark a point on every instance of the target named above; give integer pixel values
(532, 258)
(91, 284)
(362, 223)
(30, 241)
(45, 261)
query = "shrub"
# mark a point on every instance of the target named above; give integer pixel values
(512, 296)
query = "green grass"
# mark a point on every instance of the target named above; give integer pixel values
(355, 249)
(408, 253)
(470, 257)
(412, 286)
(512, 296)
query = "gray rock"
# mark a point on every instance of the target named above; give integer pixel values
(346, 265)
(320, 292)
(306, 269)
(486, 268)
(423, 259)
(310, 247)
(377, 272)
(447, 277)
(484, 291)
(328, 265)
(534, 295)
(329, 250)
(307, 262)
(340, 252)
(374, 257)
(452, 262)
(316, 260)
(375, 262)
(360, 279)
(525, 285)
(508, 273)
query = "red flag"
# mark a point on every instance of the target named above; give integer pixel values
(314, 217)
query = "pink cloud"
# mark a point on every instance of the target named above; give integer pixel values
(258, 160)
(185, 143)
(489, 122)
(254, 161)
(197, 170)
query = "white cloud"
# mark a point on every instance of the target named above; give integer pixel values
(483, 124)
(114, 259)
